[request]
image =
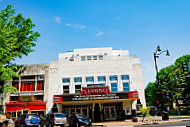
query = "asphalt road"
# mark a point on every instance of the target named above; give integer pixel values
(183, 123)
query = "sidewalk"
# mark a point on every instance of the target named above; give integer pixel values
(129, 123)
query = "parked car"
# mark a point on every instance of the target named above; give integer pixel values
(27, 120)
(20, 121)
(153, 110)
(83, 120)
(55, 119)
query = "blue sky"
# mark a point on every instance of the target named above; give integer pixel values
(134, 25)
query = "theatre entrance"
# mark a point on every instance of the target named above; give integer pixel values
(97, 113)
(110, 112)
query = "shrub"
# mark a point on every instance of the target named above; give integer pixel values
(144, 112)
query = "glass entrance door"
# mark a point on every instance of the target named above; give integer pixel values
(110, 113)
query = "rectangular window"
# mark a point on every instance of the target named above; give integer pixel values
(113, 87)
(65, 89)
(90, 79)
(88, 57)
(126, 86)
(125, 77)
(100, 57)
(82, 58)
(101, 78)
(113, 78)
(15, 84)
(14, 98)
(40, 86)
(77, 88)
(27, 77)
(94, 57)
(78, 80)
(39, 97)
(66, 80)
(27, 86)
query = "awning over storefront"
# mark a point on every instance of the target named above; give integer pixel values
(25, 105)
(94, 94)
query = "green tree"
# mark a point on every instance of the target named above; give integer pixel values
(171, 81)
(16, 39)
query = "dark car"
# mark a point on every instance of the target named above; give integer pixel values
(20, 121)
(83, 120)
(27, 120)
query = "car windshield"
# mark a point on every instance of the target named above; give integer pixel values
(60, 115)
(32, 115)
(81, 117)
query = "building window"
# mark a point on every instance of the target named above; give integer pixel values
(40, 86)
(101, 78)
(88, 57)
(100, 57)
(14, 98)
(125, 86)
(27, 86)
(65, 89)
(15, 84)
(78, 80)
(77, 88)
(113, 87)
(66, 80)
(39, 97)
(94, 57)
(82, 58)
(125, 77)
(113, 78)
(90, 79)
(102, 84)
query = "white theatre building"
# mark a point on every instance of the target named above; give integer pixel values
(101, 83)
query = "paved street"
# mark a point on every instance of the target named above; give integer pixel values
(183, 123)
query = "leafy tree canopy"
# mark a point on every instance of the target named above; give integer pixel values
(16, 39)
(170, 80)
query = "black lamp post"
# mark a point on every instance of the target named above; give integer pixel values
(157, 53)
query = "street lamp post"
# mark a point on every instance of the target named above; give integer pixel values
(157, 53)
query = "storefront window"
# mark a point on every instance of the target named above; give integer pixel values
(126, 86)
(113, 87)
(13, 114)
(125, 77)
(65, 89)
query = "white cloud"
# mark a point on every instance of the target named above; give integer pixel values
(76, 26)
(68, 24)
(57, 19)
(99, 34)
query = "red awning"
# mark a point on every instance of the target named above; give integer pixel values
(26, 105)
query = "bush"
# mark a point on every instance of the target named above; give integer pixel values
(144, 112)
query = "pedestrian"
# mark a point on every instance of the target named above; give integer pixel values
(73, 120)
